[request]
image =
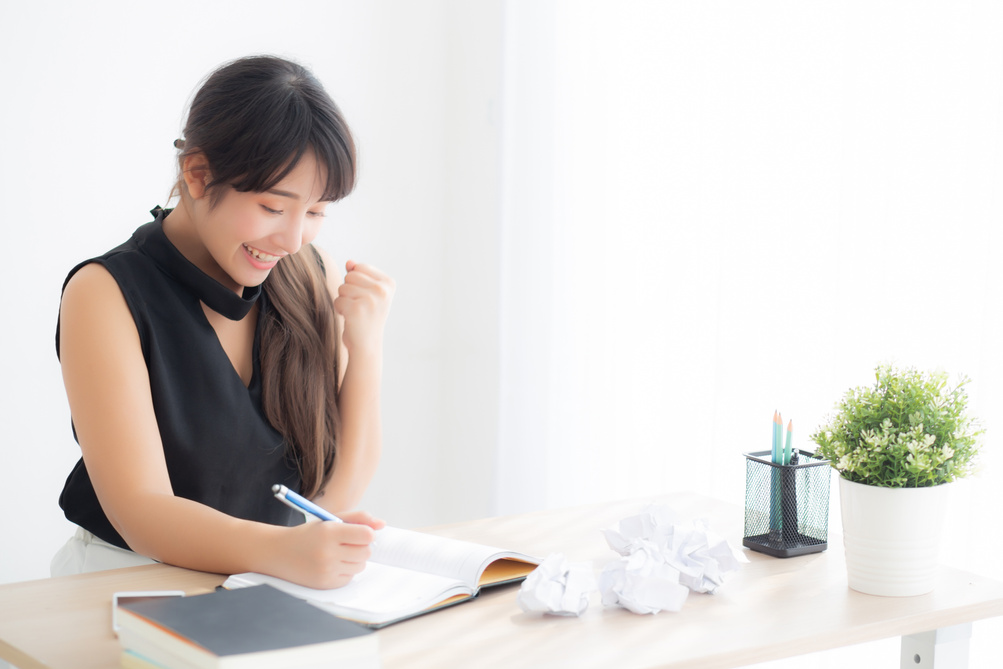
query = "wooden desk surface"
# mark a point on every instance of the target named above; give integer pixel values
(772, 608)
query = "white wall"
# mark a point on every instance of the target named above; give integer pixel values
(717, 209)
(730, 208)
(93, 96)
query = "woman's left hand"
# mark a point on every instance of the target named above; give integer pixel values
(363, 301)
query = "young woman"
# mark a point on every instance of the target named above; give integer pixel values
(217, 352)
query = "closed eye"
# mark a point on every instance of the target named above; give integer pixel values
(270, 210)
(317, 214)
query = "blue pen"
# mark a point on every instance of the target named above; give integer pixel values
(300, 503)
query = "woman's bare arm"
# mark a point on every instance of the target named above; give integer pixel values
(362, 302)
(108, 388)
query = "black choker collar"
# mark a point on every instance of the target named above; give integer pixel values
(216, 296)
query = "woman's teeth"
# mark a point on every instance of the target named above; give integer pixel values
(260, 255)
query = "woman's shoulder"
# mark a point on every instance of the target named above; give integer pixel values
(94, 291)
(100, 278)
(89, 277)
(115, 262)
(93, 307)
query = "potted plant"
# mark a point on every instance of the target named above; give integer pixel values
(896, 445)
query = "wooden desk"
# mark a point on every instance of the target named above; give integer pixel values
(773, 608)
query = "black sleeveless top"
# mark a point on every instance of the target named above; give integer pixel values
(220, 449)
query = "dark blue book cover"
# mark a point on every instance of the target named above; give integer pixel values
(243, 621)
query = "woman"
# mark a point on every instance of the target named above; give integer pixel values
(217, 352)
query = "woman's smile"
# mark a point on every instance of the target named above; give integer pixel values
(259, 259)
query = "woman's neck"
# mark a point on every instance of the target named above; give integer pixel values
(181, 231)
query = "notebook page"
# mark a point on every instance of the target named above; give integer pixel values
(378, 594)
(434, 555)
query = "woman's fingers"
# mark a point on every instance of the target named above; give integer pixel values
(363, 300)
(362, 518)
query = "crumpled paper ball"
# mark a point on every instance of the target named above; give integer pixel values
(643, 584)
(557, 587)
(663, 559)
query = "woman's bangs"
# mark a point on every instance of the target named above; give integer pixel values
(338, 159)
(282, 139)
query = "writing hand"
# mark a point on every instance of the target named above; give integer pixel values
(328, 554)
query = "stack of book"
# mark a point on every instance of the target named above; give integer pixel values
(251, 627)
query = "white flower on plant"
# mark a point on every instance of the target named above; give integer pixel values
(898, 451)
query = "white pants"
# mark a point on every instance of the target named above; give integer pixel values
(84, 552)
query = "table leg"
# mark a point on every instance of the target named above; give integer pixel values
(945, 648)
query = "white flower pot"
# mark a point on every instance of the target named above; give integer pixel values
(891, 537)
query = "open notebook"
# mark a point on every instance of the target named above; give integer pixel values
(410, 573)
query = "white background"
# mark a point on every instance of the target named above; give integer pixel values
(623, 233)
(95, 95)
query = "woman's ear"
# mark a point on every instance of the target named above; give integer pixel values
(196, 175)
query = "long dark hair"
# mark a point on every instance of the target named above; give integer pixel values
(253, 119)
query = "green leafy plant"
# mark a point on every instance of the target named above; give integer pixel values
(908, 430)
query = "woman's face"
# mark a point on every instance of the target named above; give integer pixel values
(248, 233)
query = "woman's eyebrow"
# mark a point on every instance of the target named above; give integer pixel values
(283, 193)
(293, 196)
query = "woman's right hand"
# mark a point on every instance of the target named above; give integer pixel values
(327, 554)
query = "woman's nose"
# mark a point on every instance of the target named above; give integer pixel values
(290, 237)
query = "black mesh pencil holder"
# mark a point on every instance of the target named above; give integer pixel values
(786, 506)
